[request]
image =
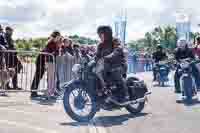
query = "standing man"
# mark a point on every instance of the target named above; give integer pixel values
(12, 60)
(52, 48)
(3, 43)
(3, 46)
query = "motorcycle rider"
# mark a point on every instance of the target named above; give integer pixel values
(113, 58)
(182, 52)
(158, 55)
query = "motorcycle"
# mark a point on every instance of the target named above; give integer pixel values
(187, 80)
(162, 73)
(84, 96)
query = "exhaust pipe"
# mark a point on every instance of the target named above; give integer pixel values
(139, 100)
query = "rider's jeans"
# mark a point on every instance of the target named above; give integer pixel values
(117, 78)
(176, 80)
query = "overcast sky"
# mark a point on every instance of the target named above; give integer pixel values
(34, 18)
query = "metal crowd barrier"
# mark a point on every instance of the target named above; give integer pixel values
(64, 66)
(139, 65)
(56, 70)
(24, 65)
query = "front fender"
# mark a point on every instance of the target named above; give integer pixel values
(71, 82)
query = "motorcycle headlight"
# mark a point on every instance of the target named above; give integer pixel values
(162, 68)
(76, 68)
(184, 65)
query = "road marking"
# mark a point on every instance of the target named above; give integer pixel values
(25, 125)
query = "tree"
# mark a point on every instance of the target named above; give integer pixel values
(169, 37)
(149, 39)
(166, 36)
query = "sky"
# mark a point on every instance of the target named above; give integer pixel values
(36, 18)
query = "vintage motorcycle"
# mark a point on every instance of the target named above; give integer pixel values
(83, 96)
(187, 80)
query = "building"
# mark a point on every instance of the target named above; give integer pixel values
(120, 28)
(183, 26)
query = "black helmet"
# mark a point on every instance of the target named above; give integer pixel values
(107, 31)
(159, 47)
(1, 28)
(55, 33)
(104, 29)
(9, 28)
(198, 39)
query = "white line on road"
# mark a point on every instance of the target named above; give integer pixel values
(25, 125)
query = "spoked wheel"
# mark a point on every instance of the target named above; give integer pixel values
(79, 104)
(135, 108)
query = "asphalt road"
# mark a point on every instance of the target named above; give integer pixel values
(18, 114)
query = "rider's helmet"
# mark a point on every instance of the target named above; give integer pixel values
(198, 40)
(159, 47)
(182, 43)
(1, 28)
(107, 31)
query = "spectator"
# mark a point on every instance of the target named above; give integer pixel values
(147, 62)
(91, 51)
(85, 54)
(51, 71)
(3, 42)
(67, 46)
(52, 47)
(196, 50)
(11, 58)
(76, 49)
(8, 37)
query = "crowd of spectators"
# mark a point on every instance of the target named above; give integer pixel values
(11, 60)
(57, 45)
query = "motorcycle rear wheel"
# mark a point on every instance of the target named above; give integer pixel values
(135, 108)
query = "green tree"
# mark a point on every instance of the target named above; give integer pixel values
(149, 39)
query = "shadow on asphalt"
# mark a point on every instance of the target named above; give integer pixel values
(106, 121)
(44, 101)
(192, 103)
(157, 85)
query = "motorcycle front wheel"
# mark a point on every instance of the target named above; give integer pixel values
(135, 108)
(79, 103)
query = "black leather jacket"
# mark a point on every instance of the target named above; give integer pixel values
(116, 58)
(183, 54)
